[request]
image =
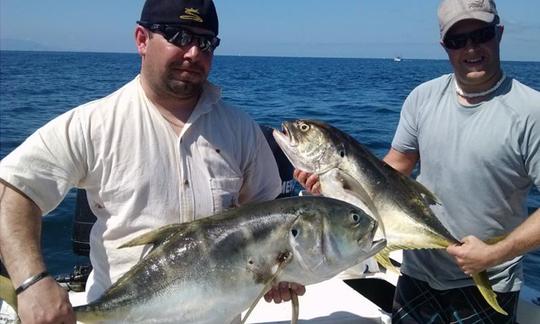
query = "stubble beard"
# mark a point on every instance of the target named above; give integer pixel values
(183, 89)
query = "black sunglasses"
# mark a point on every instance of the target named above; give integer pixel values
(478, 36)
(181, 37)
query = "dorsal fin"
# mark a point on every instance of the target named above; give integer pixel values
(156, 237)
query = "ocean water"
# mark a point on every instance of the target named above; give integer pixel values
(361, 96)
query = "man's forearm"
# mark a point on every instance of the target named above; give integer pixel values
(522, 239)
(20, 233)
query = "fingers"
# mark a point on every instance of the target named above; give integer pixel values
(472, 255)
(313, 184)
(310, 181)
(301, 177)
(269, 295)
(45, 302)
(298, 289)
(453, 249)
(283, 292)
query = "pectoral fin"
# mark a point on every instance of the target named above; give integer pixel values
(482, 282)
(295, 307)
(340, 185)
(282, 263)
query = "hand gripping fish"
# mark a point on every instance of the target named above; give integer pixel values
(212, 269)
(349, 172)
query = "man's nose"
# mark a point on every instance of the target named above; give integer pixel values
(193, 51)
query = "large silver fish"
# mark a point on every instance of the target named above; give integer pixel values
(212, 269)
(350, 172)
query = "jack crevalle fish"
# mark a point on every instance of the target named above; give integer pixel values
(350, 172)
(212, 269)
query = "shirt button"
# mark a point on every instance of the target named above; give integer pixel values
(186, 183)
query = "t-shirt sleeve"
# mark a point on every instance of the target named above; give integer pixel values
(406, 136)
(48, 163)
(531, 147)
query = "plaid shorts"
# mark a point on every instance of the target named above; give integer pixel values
(416, 302)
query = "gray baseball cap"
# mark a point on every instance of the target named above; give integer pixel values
(452, 11)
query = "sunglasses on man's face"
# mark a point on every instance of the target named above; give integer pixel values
(181, 37)
(479, 36)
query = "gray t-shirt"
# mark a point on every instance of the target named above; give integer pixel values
(480, 161)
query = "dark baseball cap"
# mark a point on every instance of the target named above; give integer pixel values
(186, 13)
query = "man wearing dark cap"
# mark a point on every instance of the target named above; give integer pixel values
(162, 149)
(477, 134)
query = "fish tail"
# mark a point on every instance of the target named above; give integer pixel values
(7, 292)
(482, 282)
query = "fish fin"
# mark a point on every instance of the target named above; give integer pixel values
(85, 315)
(482, 283)
(428, 196)
(7, 292)
(355, 189)
(283, 261)
(295, 307)
(383, 258)
(495, 239)
(155, 237)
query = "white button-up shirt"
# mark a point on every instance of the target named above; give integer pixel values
(138, 174)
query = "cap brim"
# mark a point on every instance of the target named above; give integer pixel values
(483, 16)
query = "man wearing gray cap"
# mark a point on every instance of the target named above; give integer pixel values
(165, 148)
(477, 134)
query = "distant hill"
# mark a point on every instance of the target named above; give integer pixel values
(7, 44)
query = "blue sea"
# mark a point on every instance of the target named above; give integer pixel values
(361, 96)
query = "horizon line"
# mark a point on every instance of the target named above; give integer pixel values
(251, 55)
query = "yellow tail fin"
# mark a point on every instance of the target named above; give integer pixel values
(482, 282)
(7, 293)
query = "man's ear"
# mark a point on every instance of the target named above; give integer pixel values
(141, 39)
(444, 47)
(500, 31)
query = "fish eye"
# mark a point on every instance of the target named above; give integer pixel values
(304, 127)
(355, 217)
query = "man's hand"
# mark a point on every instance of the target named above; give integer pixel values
(45, 302)
(283, 293)
(310, 181)
(473, 255)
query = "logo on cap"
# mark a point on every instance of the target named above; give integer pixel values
(478, 4)
(192, 14)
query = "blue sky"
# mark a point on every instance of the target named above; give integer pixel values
(337, 28)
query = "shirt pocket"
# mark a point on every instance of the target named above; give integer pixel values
(225, 192)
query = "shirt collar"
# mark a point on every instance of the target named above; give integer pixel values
(210, 95)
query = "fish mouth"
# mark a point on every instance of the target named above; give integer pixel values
(285, 135)
(376, 245)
